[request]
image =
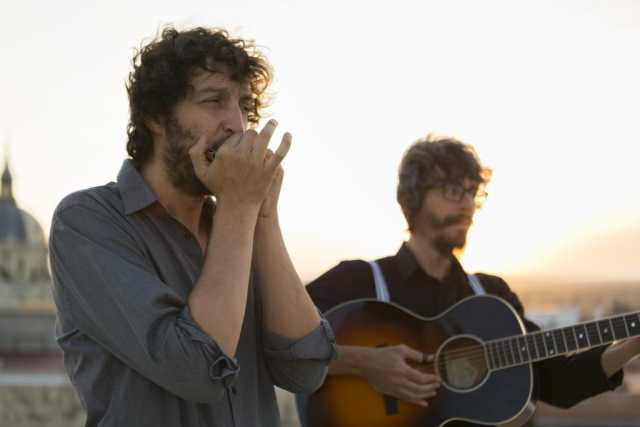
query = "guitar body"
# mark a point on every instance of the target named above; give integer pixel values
(470, 390)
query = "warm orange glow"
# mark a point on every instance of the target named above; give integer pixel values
(553, 112)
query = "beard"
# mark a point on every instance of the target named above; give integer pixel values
(446, 240)
(177, 162)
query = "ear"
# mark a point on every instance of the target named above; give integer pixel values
(155, 127)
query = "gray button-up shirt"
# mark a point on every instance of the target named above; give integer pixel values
(122, 271)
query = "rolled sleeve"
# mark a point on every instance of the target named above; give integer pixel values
(300, 365)
(109, 291)
(222, 368)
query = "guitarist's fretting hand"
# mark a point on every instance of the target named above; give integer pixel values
(389, 371)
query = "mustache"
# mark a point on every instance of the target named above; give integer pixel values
(456, 219)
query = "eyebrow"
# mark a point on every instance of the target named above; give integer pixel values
(209, 89)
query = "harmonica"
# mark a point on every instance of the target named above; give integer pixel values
(210, 154)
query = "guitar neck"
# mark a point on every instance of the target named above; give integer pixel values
(536, 346)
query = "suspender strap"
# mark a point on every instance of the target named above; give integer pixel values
(475, 284)
(382, 291)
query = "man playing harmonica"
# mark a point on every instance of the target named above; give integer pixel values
(175, 310)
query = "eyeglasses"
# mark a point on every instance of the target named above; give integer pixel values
(455, 193)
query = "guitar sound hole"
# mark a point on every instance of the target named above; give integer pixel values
(462, 364)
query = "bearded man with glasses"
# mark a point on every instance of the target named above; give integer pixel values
(441, 185)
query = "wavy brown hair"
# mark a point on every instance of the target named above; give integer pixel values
(433, 160)
(162, 71)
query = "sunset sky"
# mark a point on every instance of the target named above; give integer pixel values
(547, 91)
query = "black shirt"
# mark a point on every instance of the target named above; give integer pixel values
(561, 381)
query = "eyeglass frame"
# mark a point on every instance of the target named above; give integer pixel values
(479, 196)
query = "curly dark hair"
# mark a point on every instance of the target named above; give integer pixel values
(433, 160)
(162, 72)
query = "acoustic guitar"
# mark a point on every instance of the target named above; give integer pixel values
(482, 353)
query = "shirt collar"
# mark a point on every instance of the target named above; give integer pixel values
(408, 265)
(406, 262)
(136, 194)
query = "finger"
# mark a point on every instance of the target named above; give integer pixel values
(262, 141)
(422, 403)
(420, 377)
(197, 152)
(421, 390)
(247, 141)
(281, 152)
(423, 399)
(411, 398)
(277, 175)
(222, 144)
(411, 354)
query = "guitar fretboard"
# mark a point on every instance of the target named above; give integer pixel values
(541, 345)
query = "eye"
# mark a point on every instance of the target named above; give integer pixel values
(453, 190)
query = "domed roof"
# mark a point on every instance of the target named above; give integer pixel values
(16, 225)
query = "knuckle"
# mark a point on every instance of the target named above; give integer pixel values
(250, 133)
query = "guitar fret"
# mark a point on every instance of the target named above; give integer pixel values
(522, 345)
(531, 345)
(570, 338)
(510, 358)
(592, 334)
(619, 332)
(542, 351)
(575, 335)
(505, 350)
(550, 345)
(487, 355)
(599, 333)
(626, 327)
(561, 346)
(605, 330)
(633, 324)
(613, 331)
(492, 355)
(500, 355)
(487, 350)
(499, 358)
(581, 336)
(516, 353)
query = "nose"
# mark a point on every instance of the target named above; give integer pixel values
(469, 202)
(235, 119)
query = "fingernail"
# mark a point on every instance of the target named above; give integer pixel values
(274, 122)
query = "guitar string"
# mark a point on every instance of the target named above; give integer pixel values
(479, 352)
(533, 336)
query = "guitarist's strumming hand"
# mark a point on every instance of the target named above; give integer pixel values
(389, 370)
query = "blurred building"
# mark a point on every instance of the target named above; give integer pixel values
(27, 314)
(34, 391)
